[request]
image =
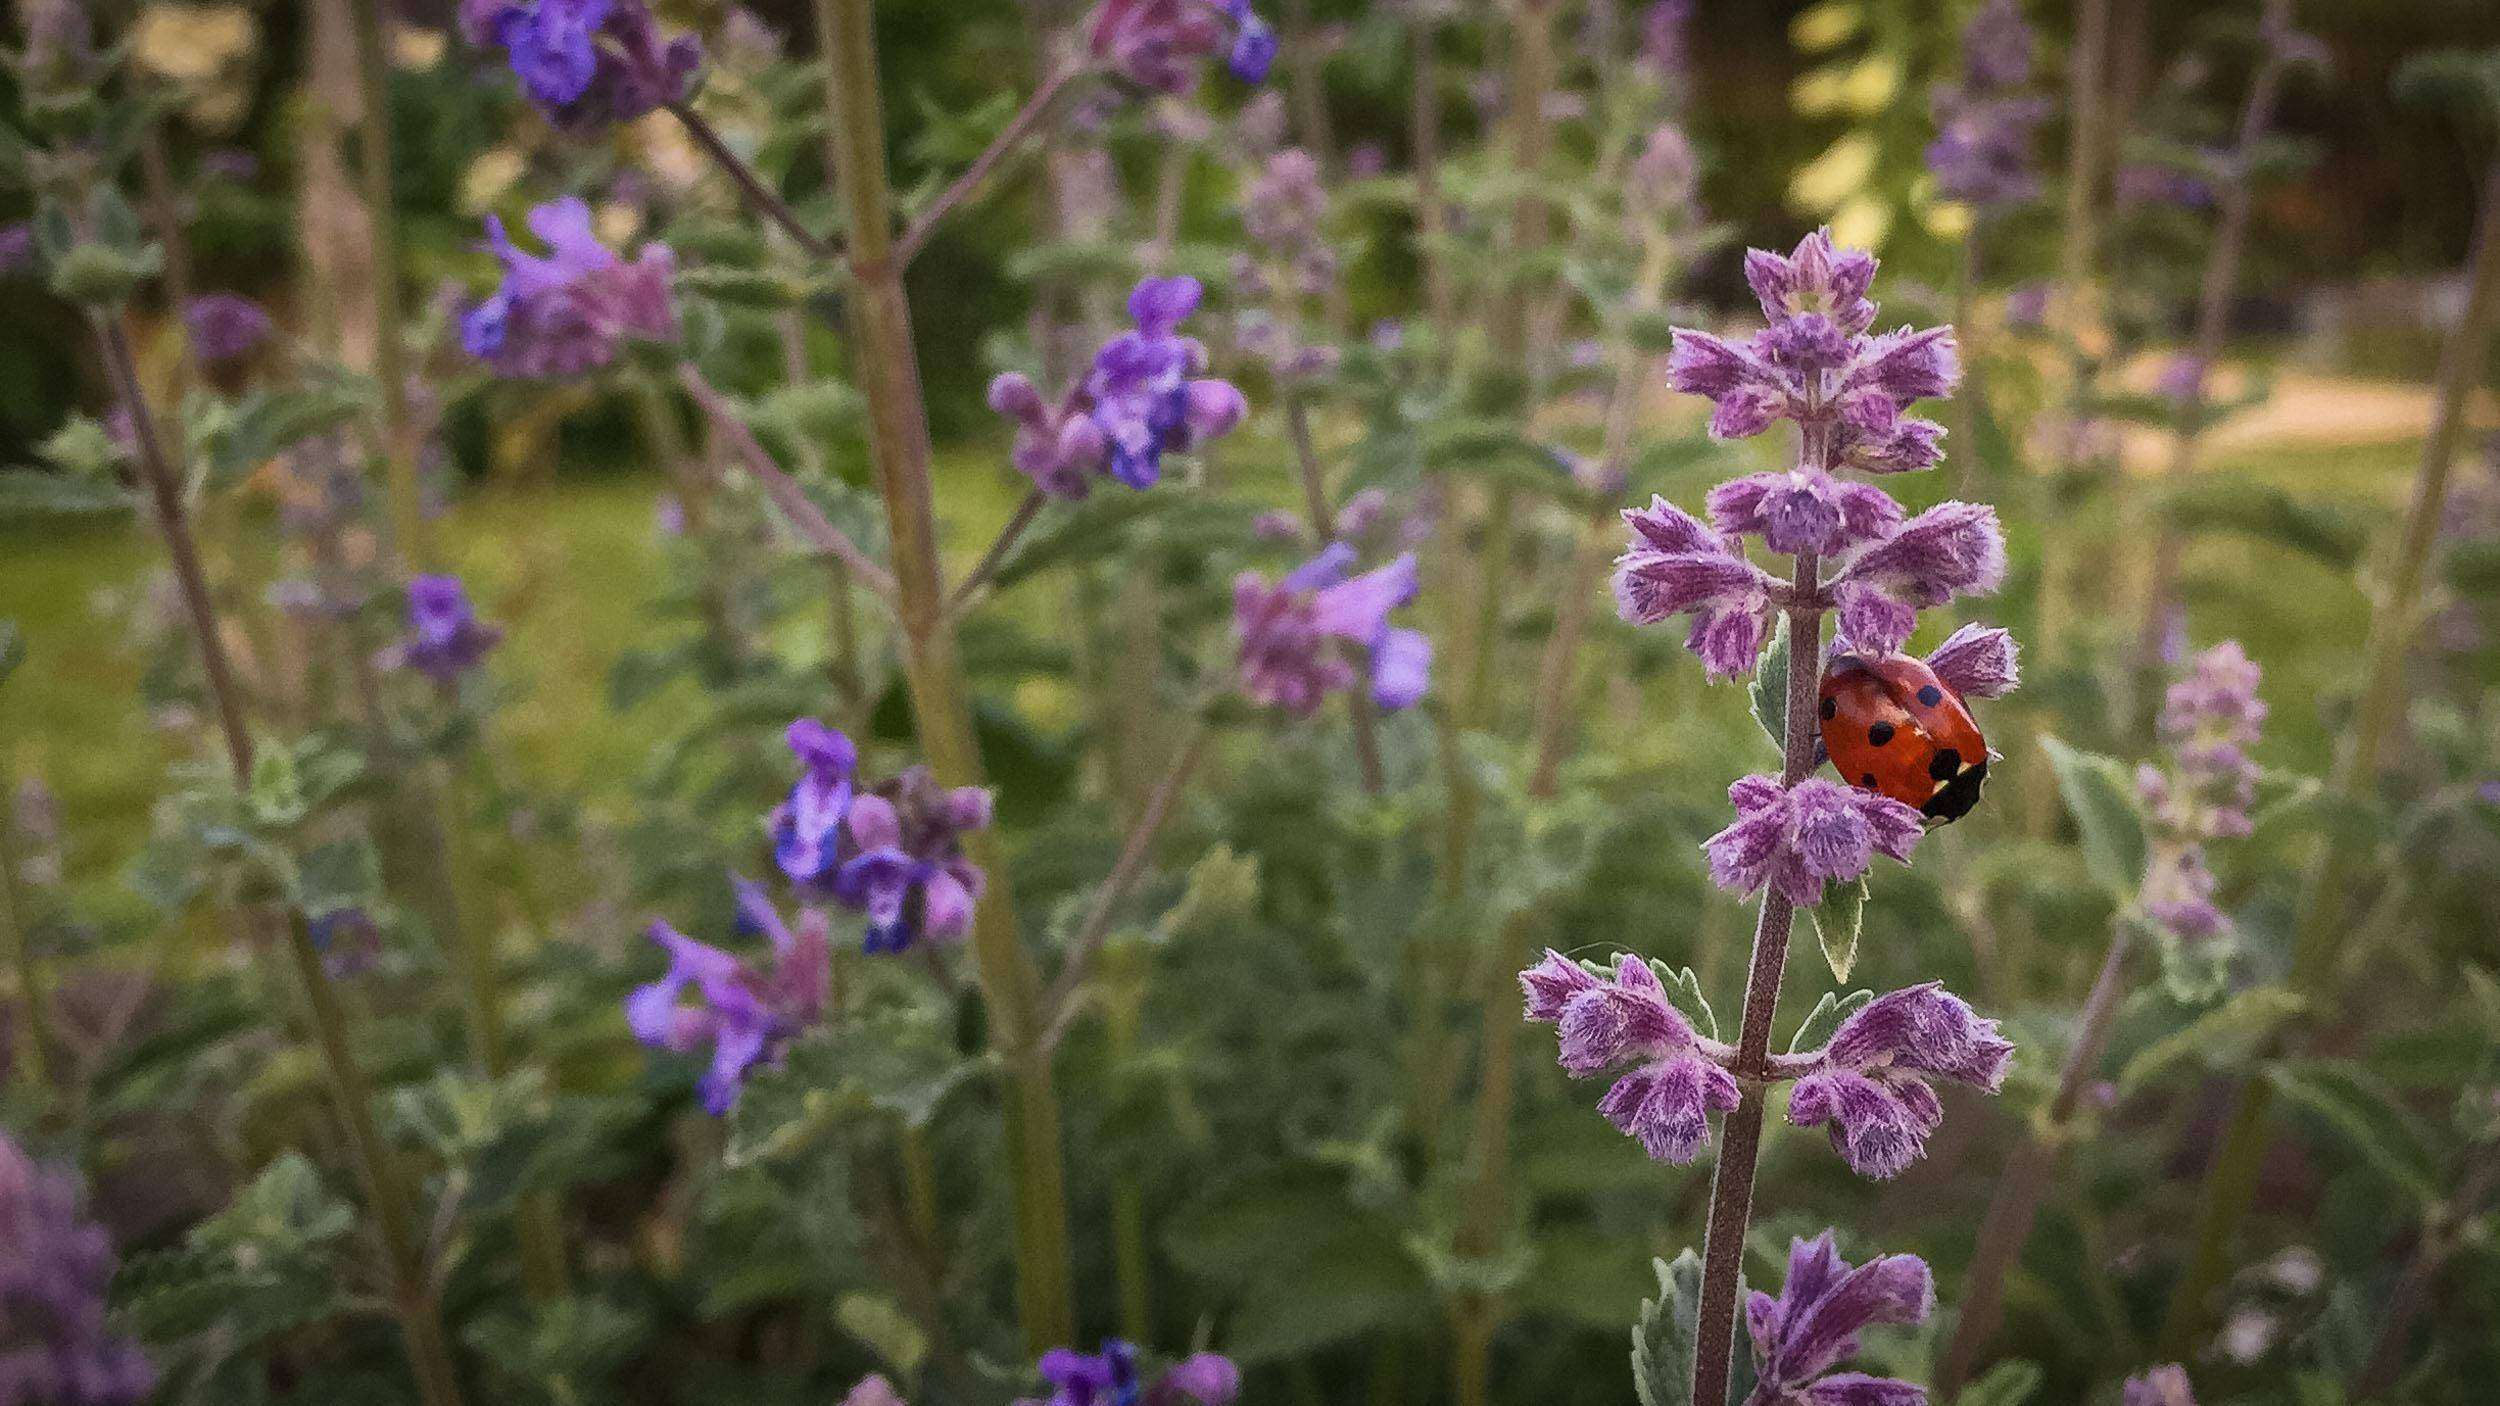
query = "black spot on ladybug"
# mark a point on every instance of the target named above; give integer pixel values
(1867, 781)
(1879, 734)
(1944, 764)
(1831, 709)
(1954, 799)
(1931, 695)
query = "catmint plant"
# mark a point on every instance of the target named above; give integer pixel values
(1111, 1378)
(1165, 44)
(1853, 551)
(746, 1015)
(572, 310)
(2203, 790)
(1986, 119)
(445, 639)
(1812, 1326)
(2166, 1385)
(224, 327)
(1292, 634)
(56, 1347)
(586, 64)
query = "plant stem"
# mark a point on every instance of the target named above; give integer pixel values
(1009, 137)
(34, 1018)
(1358, 704)
(373, 79)
(420, 1317)
(1060, 1007)
(898, 441)
(164, 206)
(1731, 1188)
(2213, 325)
(759, 196)
(799, 510)
(1424, 136)
(965, 590)
(2025, 1180)
(2232, 1179)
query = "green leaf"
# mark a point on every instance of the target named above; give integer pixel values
(2268, 514)
(341, 874)
(1770, 689)
(2354, 1105)
(1816, 1030)
(880, 1323)
(1663, 1338)
(1838, 920)
(1357, 1283)
(276, 797)
(286, 1209)
(2006, 1384)
(2217, 1039)
(37, 492)
(2100, 797)
(1684, 990)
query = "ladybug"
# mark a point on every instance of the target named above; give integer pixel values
(1892, 727)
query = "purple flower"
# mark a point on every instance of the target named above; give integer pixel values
(902, 861)
(54, 1344)
(1061, 450)
(1678, 565)
(1870, 1083)
(568, 313)
(1666, 1099)
(2210, 719)
(1952, 549)
(873, 1389)
(1141, 392)
(1662, 180)
(1982, 152)
(224, 326)
(2178, 894)
(2143, 183)
(1664, 54)
(1804, 510)
(445, 638)
(1163, 44)
(1110, 1378)
(807, 825)
(1813, 1326)
(586, 63)
(2182, 380)
(17, 246)
(2166, 1385)
(1282, 212)
(1285, 631)
(746, 1016)
(1800, 837)
(349, 941)
(1977, 661)
(1997, 46)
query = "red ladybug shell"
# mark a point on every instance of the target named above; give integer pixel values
(1891, 726)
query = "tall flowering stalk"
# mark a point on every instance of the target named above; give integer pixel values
(2394, 619)
(1854, 551)
(2200, 792)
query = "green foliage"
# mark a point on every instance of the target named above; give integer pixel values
(2006, 1384)
(1838, 920)
(2101, 797)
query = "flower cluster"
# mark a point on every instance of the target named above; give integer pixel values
(747, 1016)
(1290, 260)
(1143, 397)
(1798, 837)
(1869, 1084)
(1982, 154)
(1110, 1378)
(445, 638)
(586, 63)
(1813, 1326)
(1287, 633)
(894, 853)
(569, 312)
(2210, 719)
(54, 1346)
(224, 327)
(1163, 44)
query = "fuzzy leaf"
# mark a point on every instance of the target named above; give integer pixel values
(2098, 795)
(2006, 1384)
(1816, 1030)
(1684, 991)
(1770, 689)
(2215, 1039)
(1838, 920)
(2353, 1104)
(1663, 1338)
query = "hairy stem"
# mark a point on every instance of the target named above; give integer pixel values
(1061, 1006)
(2025, 1180)
(898, 441)
(1740, 1147)
(969, 589)
(795, 506)
(758, 194)
(2232, 1179)
(1013, 135)
(373, 87)
(386, 1192)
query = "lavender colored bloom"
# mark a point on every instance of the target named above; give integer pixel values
(1983, 147)
(224, 326)
(1142, 394)
(1163, 44)
(1276, 526)
(349, 941)
(807, 825)
(2165, 1385)
(1662, 180)
(569, 312)
(17, 247)
(746, 1016)
(2209, 720)
(1952, 549)
(2027, 305)
(2182, 380)
(1282, 213)
(2144, 183)
(1977, 661)
(445, 638)
(1679, 565)
(1666, 1098)
(1061, 450)
(1813, 1326)
(586, 63)
(1800, 837)
(1285, 633)
(1870, 1083)
(1110, 1378)
(873, 1389)
(902, 861)
(1804, 510)
(1664, 54)
(55, 1346)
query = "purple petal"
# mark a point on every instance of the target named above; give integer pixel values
(1977, 661)
(1401, 669)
